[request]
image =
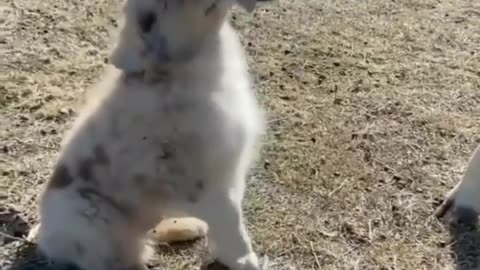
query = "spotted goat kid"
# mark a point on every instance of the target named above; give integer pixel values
(172, 130)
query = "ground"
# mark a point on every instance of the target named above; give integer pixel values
(373, 108)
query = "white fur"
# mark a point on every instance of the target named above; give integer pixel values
(466, 194)
(178, 145)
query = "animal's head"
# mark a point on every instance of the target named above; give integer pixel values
(166, 31)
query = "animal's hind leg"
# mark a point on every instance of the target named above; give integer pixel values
(228, 239)
(464, 198)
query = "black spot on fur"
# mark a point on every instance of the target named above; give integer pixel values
(211, 8)
(79, 249)
(140, 180)
(167, 151)
(166, 155)
(101, 156)
(146, 21)
(192, 198)
(86, 168)
(91, 194)
(61, 178)
(466, 216)
(200, 185)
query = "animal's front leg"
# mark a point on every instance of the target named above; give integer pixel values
(463, 200)
(228, 239)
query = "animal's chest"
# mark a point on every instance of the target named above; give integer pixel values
(171, 133)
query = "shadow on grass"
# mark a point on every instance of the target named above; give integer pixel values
(24, 256)
(465, 234)
(12, 225)
(21, 255)
(199, 245)
(178, 247)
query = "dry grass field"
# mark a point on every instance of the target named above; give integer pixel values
(373, 107)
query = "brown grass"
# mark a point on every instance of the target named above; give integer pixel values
(374, 109)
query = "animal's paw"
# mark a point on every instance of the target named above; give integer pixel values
(179, 229)
(33, 233)
(249, 262)
(449, 210)
(462, 203)
(214, 265)
(459, 206)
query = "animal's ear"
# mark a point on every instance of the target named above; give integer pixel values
(248, 5)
